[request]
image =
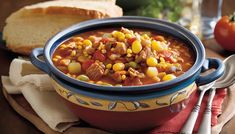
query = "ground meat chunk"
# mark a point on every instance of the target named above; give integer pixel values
(144, 54)
(117, 77)
(126, 31)
(134, 73)
(89, 50)
(141, 57)
(133, 82)
(95, 71)
(120, 48)
(148, 52)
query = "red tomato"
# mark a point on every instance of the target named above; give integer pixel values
(131, 40)
(104, 40)
(99, 56)
(87, 64)
(225, 32)
(166, 54)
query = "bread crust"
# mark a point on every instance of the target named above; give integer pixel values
(59, 7)
(111, 10)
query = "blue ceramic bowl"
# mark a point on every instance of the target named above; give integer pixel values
(128, 108)
(132, 22)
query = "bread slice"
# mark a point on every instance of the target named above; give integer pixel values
(33, 25)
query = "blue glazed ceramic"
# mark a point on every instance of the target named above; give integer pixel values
(128, 108)
(133, 22)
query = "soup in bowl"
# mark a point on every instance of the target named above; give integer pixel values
(123, 57)
(126, 74)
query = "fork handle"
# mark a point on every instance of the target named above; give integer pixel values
(205, 126)
(189, 124)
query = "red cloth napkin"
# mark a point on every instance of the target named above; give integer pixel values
(175, 124)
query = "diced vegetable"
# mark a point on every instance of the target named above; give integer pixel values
(128, 36)
(136, 47)
(65, 62)
(118, 67)
(82, 58)
(87, 64)
(83, 77)
(152, 71)
(119, 35)
(74, 67)
(99, 56)
(87, 42)
(168, 77)
(133, 64)
(151, 62)
(109, 66)
(158, 46)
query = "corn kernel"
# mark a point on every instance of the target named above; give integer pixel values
(145, 36)
(109, 66)
(92, 38)
(114, 33)
(78, 38)
(58, 57)
(83, 77)
(65, 62)
(118, 85)
(151, 62)
(129, 51)
(106, 71)
(168, 77)
(156, 79)
(79, 47)
(106, 84)
(99, 82)
(73, 53)
(161, 74)
(118, 66)
(101, 46)
(119, 35)
(81, 58)
(91, 81)
(151, 71)
(136, 47)
(103, 51)
(74, 67)
(158, 46)
(123, 77)
(128, 36)
(129, 55)
(85, 53)
(63, 46)
(162, 59)
(87, 43)
(55, 59)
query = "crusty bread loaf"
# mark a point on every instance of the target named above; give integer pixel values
(32, 26)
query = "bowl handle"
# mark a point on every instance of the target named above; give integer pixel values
(208, 64)
(40, 64)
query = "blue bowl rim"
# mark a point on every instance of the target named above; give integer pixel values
(195, 43)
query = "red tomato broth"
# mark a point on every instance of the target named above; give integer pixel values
(175, 59)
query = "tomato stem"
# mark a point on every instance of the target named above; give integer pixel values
(232, 18)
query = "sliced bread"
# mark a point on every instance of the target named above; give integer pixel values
(33, 25)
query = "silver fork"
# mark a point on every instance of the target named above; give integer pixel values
(189, 124)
